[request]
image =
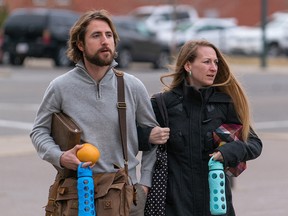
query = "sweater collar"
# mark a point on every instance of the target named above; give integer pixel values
(80, 65)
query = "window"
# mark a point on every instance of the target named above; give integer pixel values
(63, 2)
(40, 2)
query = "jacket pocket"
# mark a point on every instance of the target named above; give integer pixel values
(176, 142)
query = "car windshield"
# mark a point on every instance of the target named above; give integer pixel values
(142, 29)
(281, 21)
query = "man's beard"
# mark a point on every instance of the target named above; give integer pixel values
(97, 60)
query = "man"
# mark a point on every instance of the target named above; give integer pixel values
(88, 93)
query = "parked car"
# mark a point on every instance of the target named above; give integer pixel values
(244, 40)
(210, 29)
(139, 44)
(38, 32)
(248, 40)
(1, 46)
(165, 17)
(277, 34)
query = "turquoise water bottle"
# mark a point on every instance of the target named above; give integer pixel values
(216, 180)
(85, 187)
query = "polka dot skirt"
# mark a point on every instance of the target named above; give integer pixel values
(155, 204)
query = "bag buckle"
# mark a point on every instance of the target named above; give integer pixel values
(121, 105)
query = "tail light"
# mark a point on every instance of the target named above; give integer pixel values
(46, 37)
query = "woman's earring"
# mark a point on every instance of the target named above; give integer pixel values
(190, 73)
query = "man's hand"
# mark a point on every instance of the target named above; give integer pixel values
(69, 159)
(159, 135)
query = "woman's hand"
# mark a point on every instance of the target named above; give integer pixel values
(217, 156)
(145, 189)
(159, 135)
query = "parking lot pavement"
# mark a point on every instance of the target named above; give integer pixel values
(15, 145)
(260, 191)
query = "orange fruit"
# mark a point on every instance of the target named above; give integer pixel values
(88, 153)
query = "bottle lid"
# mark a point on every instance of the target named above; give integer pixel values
(83, 171)
(213, 164)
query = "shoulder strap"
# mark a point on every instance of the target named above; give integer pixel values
(162, 108)
(121, 105)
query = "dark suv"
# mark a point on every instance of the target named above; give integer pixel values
(138, 44)
(38, 32)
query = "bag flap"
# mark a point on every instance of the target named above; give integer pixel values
(68, 189)
(102, 183)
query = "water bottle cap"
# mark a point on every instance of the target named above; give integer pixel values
(84, 171)
(213, 164)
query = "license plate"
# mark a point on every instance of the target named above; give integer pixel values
(22, 48)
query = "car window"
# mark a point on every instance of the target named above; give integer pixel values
(143, 30)
(142, 15)
(31, 19)
(182, 15)
(60, 24)
(62, 20)
(210, 27)
(25, 24)
(277, 23)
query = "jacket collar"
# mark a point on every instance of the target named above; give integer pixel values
(208, 94)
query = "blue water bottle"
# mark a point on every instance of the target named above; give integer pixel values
(85, 187)
(216, 180)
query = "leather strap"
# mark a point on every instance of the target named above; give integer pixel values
(121, 105)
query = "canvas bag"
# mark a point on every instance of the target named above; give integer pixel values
(114, 193)
(155, 204)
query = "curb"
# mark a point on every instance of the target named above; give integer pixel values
(16, 145)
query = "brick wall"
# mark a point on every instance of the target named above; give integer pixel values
(247, 12)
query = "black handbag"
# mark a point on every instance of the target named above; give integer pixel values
(155, 204)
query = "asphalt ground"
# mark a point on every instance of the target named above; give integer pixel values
(262, 190)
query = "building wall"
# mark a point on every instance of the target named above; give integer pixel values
(247, 12)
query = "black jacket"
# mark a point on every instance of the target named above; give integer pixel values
(193, 116)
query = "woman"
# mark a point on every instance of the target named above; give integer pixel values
(203, 95)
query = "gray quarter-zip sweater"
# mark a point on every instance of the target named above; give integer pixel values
(93, 106)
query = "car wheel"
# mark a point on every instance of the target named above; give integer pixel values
(124, 58)
(162, 61)
(16, 59)
(61, 59)
(274, 50)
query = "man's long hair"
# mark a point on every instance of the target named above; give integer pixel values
(78, 30)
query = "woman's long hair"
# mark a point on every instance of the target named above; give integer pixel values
(224, 81)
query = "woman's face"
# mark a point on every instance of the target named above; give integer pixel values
(203, 69)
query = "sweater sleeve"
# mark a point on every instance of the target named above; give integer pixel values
(40, 134)
(239, 151)
(145, 118)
